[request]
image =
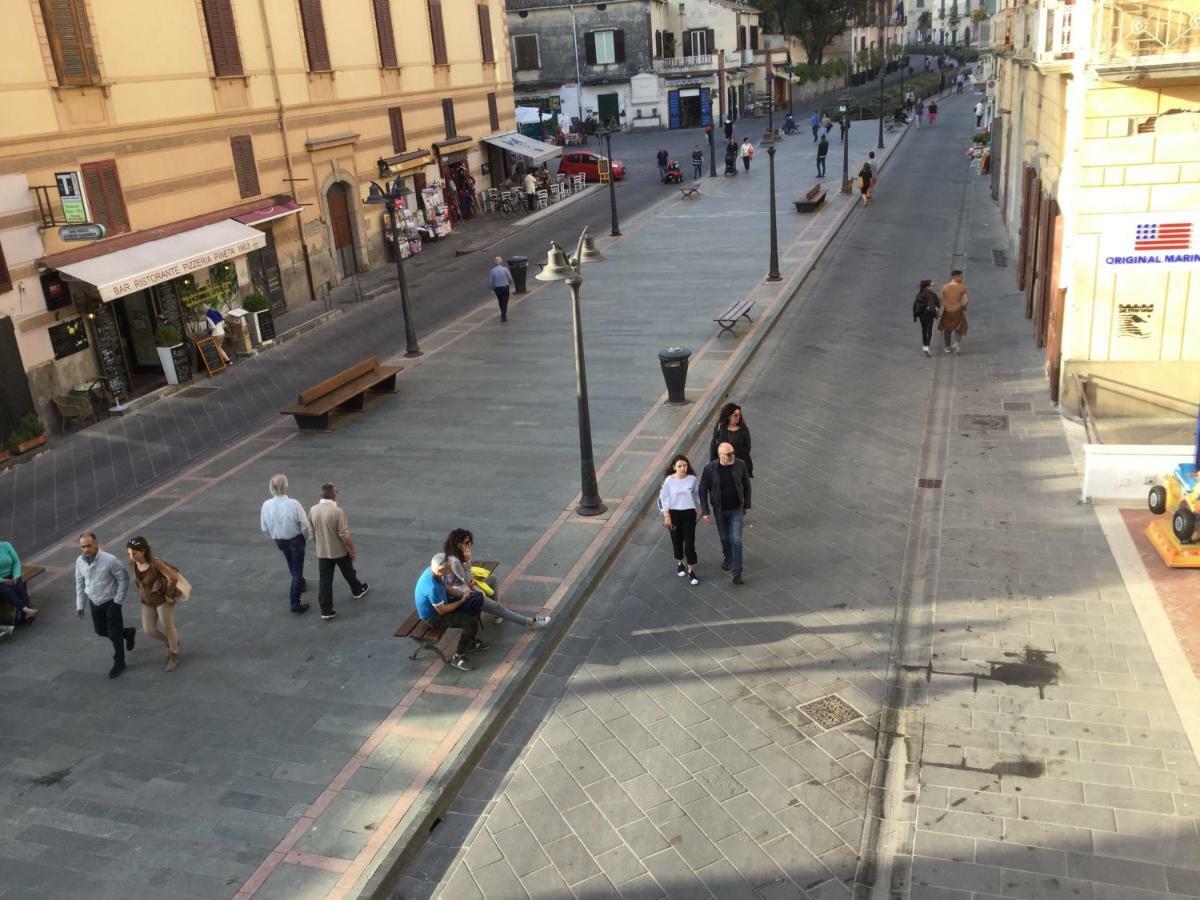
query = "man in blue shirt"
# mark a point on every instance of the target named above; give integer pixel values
(283, 520)
(435, 608)
(100, 582)
(502, 282)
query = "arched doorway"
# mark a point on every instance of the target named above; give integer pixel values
(338, 198)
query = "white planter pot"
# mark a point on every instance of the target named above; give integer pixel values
(168, 364)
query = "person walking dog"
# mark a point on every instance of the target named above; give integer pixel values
(100, 584)
(502, 282)
(725, 489)
(282, 519)
(335, 549)
(679, 501)
(954, 311)
(926, 308)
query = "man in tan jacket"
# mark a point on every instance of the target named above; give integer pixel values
(331, 533)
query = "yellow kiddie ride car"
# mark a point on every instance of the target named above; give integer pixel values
(1179, 489)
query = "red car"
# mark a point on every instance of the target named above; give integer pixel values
(586, 163)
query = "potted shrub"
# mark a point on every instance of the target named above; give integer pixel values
(30, 435)
(168, 339)
(261, 319)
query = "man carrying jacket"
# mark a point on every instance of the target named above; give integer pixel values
(725, 489)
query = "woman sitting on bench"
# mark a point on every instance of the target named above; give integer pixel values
(461, 582)
(14, 596)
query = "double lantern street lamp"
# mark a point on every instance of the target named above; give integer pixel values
(605, 131)
(771, 138)
(560, 267)
(393, 199)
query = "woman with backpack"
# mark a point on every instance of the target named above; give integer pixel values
(926, 309)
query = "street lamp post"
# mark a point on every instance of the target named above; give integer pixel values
(882, 67)
(773, 274)
(605, 131)
(392, 199)
(712, 139)
(559, 268)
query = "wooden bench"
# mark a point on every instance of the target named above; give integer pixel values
(8, 615)
(729, 318)
(811, 201)
(346, 390)
(690, 192)
(427, 636)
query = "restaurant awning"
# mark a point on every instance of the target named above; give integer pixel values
(269, 213)
(135, 268)
(515, 142)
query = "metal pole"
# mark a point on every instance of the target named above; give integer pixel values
(612, 183)
(770, 95)
(712, 140)
(589, 493)
(410, 332)
(773, 275)
(846, 189)
(882, 67)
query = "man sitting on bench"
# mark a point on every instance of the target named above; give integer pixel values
(14, 598)
(438, 611)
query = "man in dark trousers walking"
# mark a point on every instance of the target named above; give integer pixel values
(502, 282)
(822, 152)
(100, 583)
(725, 488)
(282, 519)
(335, 549)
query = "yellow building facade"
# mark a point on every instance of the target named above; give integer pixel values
(227, 147)
(1096, 151)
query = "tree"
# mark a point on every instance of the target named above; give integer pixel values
(814, 22)
(925, 24)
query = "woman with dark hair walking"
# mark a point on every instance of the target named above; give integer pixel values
(679, 500)
(926, 309)
(158, 588)
(731, 429)
(462, 582)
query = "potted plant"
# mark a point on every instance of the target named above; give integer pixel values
(167, 339)
(30, 435)
(260, 317)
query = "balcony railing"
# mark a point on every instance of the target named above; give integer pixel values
(683, 63)
(1161, 33)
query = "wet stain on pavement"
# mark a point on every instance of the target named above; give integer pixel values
(52, 779)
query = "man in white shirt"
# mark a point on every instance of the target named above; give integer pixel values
(100, 583)
(979, 114)
(335, 548)
(283, 520)
(530, 191)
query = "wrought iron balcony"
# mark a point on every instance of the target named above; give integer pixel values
(1162, 34)
(669, 65)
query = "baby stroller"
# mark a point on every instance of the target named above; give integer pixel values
(731, 157)
(674, 174)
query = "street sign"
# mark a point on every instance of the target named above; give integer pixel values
(89, 232)
(70, 194)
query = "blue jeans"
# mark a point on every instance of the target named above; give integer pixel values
(729, 527)
(293, 551)
(502, 299)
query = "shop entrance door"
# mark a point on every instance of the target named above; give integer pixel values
(264, 274)
(136, 320)
(609, 108)
(689, 108)
(343, 233)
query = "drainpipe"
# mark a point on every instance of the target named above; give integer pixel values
(287, 156)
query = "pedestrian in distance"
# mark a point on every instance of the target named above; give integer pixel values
(159, 586)
(822, 152)
(465, 582)
(14, 596)
(844, 126)
(697, 161)
(531, 186)
(919, 112)
(725, 490)
(729, 130)
(866, 179)
(979, 114)
(746, 153)
(335, 549)
(282, 519)
(100, 584)
(216, 331)
(815, 123)
(731, 157)
(679, 503)
(958, 83)
(502, 283)
(932, 113)
(954, 311)
(926, 308)
(826, 124)
(731, 428)
(663, 158)
(439, 611)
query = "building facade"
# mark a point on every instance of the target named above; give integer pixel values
(225, 146)
(1096, 167)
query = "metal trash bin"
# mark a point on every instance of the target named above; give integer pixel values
(674, 362)
(519, 267)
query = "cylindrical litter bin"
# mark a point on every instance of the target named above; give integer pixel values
(519, 266)
(674, 362)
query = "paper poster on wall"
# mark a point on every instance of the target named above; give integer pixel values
(1150, 242)
(1135, 320)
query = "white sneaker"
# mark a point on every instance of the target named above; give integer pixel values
(6, 630)
(925, 350)
(539, 622)
(958, 348)
(947, 350)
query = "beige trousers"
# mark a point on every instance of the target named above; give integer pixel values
(164, 614)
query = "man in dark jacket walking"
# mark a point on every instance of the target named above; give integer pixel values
(725, 489)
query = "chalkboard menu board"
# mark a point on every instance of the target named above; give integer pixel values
(108, 348)
(266, 326)
(208, 353)
(67, 338)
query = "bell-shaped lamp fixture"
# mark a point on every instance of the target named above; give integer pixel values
(589, 253)
(555, 268)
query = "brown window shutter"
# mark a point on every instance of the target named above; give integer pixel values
(5, 278)
(437, 33)
(71, 41)
(619, 46)
(753, 37)
(103, 187)
(243, 165)
(387, 37)
(396, 120)
(314, 35)
(222, 37)
(658, 43)
(589, 47)
(526, 52)
(485, 34)
(493, 113)
(448, 118)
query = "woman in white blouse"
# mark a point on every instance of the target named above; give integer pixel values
(679, 501)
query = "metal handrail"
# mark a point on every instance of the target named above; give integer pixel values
(1085, 411)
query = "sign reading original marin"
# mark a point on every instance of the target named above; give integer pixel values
(160, 274)
(1151, 242)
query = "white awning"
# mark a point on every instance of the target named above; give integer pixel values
(136, 268)
(514, 142)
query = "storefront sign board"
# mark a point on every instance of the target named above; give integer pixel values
(70, 195)
(1150, 242)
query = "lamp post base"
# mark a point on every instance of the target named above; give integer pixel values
(591, 508)
(411, 353)
(774, 277)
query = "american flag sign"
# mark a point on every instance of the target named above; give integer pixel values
(1163, 236)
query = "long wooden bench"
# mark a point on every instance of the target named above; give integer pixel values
(811, 201)
(8, 615)
(345, 390)
(427, 636)
(729, 318)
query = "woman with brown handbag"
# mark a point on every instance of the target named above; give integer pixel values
(159, 587)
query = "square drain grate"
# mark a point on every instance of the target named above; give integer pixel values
(929, 482)
(1018, 406)
(999, 258)
(983, 423)
(193, 393)
(830, 712)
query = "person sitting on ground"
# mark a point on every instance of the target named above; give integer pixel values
(463, 584)
(439, 611)
(14, 596)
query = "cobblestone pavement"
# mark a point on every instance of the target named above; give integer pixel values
(670, 748)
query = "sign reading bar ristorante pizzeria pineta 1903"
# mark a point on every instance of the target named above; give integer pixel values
(1151, 242)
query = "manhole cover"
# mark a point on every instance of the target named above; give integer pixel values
(983, 423)
(831, 711)
(1018, 406)
(929, 482)
(999, 258)
(194, 392)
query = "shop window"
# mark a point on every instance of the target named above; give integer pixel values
(493, 113)
(525, 53)
(605, 47)
(71, 41)
(103, 187)
(396, 121)
(387, 37)
(437, 32)
(485, 34)
(448, 118)
(5, 278)
(313, 21)
(222, 37)
(243, 165)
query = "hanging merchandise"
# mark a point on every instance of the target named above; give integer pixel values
(437, 216)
